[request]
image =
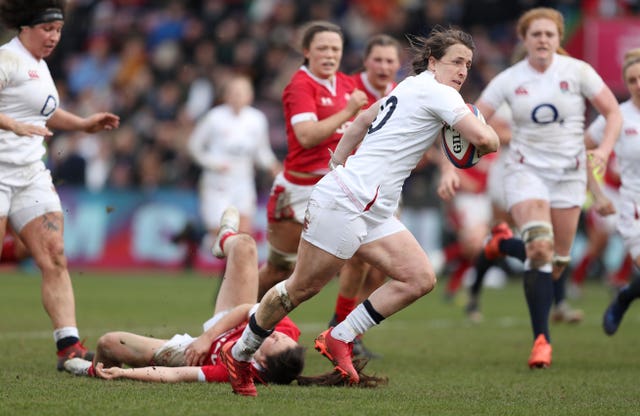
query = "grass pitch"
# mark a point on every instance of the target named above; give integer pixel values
(437, 362)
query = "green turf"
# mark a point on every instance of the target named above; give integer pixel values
(436, 361)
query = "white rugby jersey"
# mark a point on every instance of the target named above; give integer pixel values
(28, 95)
(409, 121)
(548, 110)
(627, 147)
(238, 141)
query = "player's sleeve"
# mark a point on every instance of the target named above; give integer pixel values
(8, 66)
(200, 141)
(213, 374)
(591, 83)
(449, 105)
(299, 102)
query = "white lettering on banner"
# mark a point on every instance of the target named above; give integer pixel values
(85, 231)
(152, 227)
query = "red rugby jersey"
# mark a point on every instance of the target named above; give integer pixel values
(307, 97)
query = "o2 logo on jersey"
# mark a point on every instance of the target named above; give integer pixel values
(49, 106)
(544, 114)
(386, 109)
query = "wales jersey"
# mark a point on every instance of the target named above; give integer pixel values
(308, 97)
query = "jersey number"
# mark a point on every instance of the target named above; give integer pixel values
(386, 110)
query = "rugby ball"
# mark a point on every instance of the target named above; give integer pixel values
(460, 152)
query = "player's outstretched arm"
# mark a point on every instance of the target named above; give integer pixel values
(151, 374)
(64, 120)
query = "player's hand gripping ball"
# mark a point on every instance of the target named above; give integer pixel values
(460, 151)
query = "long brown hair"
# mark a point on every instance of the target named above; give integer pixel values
(287, 366)
(336, 378)
(436, 45)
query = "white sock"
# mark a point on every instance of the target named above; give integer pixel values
(247, 345)
(356, 323)
(66, 331)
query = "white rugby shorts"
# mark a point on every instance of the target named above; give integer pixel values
(562, 188)
(213, 202)
(629, 223)
(287, 200)
(334, 224)
(32, 196)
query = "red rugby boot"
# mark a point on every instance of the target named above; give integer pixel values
(339, 353)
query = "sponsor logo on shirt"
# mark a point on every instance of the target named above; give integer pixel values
(522, 91)
(326, 101)
(631, 131)
(33, 74)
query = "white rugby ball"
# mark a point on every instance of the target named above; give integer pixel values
(460, 152)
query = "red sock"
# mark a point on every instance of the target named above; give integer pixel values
(92, 371)
(456, 277)
(8, 251)
(621, 277)
(580, 273)
(224, 238)
(452, 252)
(344, 306)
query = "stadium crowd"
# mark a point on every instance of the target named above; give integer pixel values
(161, 65)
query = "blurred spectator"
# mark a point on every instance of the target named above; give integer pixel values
(95, 69)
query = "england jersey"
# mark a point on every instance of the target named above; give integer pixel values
(627, 148)
(362, 83)
(308, 97)
(27, 95)
(236, 140)
(548, 110)
(409, 121)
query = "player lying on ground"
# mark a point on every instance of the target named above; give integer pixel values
(184, 359)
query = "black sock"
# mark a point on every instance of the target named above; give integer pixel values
(513, 247)
(373, 313)
(65, 342)
(538, 290)
(632, 291)
(482, 265)
(559, 287)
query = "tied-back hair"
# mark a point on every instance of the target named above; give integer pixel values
(542, 13)
(436, 44)
(17, 13)
(631, 57)
(380, 40)
(311, 29)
